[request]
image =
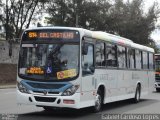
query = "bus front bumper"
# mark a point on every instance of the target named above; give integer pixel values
(52, 101)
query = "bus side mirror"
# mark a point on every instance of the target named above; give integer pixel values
(85, 49)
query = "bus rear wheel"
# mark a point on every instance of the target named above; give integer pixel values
(98, 102)
(136, 99)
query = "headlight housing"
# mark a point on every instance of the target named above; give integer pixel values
(70, 91)
(22, 88)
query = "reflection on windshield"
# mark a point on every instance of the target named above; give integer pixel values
(49, 61)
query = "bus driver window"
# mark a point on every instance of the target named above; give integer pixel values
(87, 59)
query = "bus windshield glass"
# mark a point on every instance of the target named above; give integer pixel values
(47, 61)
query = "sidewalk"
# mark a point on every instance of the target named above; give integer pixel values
(7, 86)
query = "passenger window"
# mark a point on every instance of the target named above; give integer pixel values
(151, 63)
(145, 60)
(111, 59)
(131, 58)
(121, 57)
(100, 54)
(87, 59)
(138, 59)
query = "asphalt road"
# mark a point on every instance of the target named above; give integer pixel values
(150, 104)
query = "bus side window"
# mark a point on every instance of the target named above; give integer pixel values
(138, 59)
(100, 51)
(87, 59)
(111, 58)
(145, 60)
(121, 57)
(151, 61)
(131, 58)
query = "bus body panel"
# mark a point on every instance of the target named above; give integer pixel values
(119, 83)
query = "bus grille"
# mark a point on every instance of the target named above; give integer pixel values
(45, 86)
(45, 99)
(42, 92)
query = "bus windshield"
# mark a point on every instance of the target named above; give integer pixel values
(52, 62)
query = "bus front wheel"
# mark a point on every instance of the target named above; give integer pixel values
(98, 102)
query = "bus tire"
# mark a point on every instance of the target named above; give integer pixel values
(158, 89)
(137, 97)
(98, 102)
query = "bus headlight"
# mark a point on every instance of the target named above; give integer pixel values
(70, 91)
(22, 89)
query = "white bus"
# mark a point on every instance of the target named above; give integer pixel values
(77, 68)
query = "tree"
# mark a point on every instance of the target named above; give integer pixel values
(82, 13)
(131, 22)
(58, 10)
(1, 5)
(126, 19)
(19, 14)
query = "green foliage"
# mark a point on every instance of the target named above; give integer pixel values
(88, 13)
(131, 21)
(1, 5)
(153, 45)
(125, 19)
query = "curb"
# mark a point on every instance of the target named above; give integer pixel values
(7, 86)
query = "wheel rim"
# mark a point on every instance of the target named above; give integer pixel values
(98, 102)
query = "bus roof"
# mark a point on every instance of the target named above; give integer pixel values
(119, 40)
(102, 36)
(55, 27)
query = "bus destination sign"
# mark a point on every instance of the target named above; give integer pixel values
(56, 35)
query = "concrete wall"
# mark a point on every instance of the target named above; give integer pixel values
(8, 65)
(4, 53)
(8, 73)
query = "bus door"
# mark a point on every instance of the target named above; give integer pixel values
(88, 83)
